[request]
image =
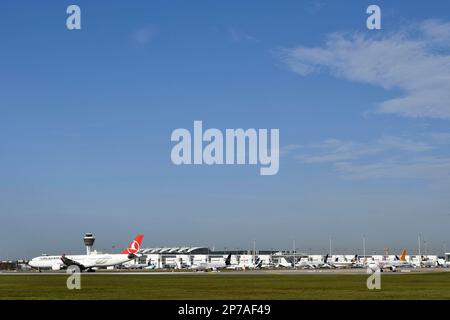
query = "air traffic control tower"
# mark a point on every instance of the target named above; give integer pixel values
(89, 240)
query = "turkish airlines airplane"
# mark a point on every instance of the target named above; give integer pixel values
(88, 262)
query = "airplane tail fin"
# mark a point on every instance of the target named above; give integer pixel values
(228, 260)
(403, 256)
(134, 246)
(326, 259)
(179, 264)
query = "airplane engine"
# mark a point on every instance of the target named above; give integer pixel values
(374, 267)
(56, 267)
(393, 269)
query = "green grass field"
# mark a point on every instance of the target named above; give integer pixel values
(221, 286)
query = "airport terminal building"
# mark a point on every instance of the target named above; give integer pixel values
(184, 257)
(173, 257)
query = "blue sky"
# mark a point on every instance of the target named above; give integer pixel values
(86, 118)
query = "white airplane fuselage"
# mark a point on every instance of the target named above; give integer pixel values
(394, 264)
(87, 261)
(203, 266)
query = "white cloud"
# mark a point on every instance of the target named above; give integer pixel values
(417, 168)
(389, 156)
(437, 31)
(414, 61)
(334, 150)
(403, 144)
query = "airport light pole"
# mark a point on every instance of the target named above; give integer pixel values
(254, 250)
(330, 246)
(293, 251)
(420, 255)
(364, 247)
(418, 241)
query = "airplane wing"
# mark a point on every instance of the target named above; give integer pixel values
(69, 262)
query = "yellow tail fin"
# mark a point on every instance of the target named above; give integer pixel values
(403, 256)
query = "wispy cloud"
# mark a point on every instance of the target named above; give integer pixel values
(437, 31)
(144, 35)
(389, 156)
(334, 150)
(417, 168)
(414, 60)
(239, 35)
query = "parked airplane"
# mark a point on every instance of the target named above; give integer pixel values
(179, 264)
(285, 262)
(346, 263)
(212, 266)
(440, 262)
(308, 264)
(267, 265)
(392, 265)
(252, 265)
(247, 264)
(426, 262)
(88, 262)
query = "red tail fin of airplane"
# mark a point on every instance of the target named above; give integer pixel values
(135, 245)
